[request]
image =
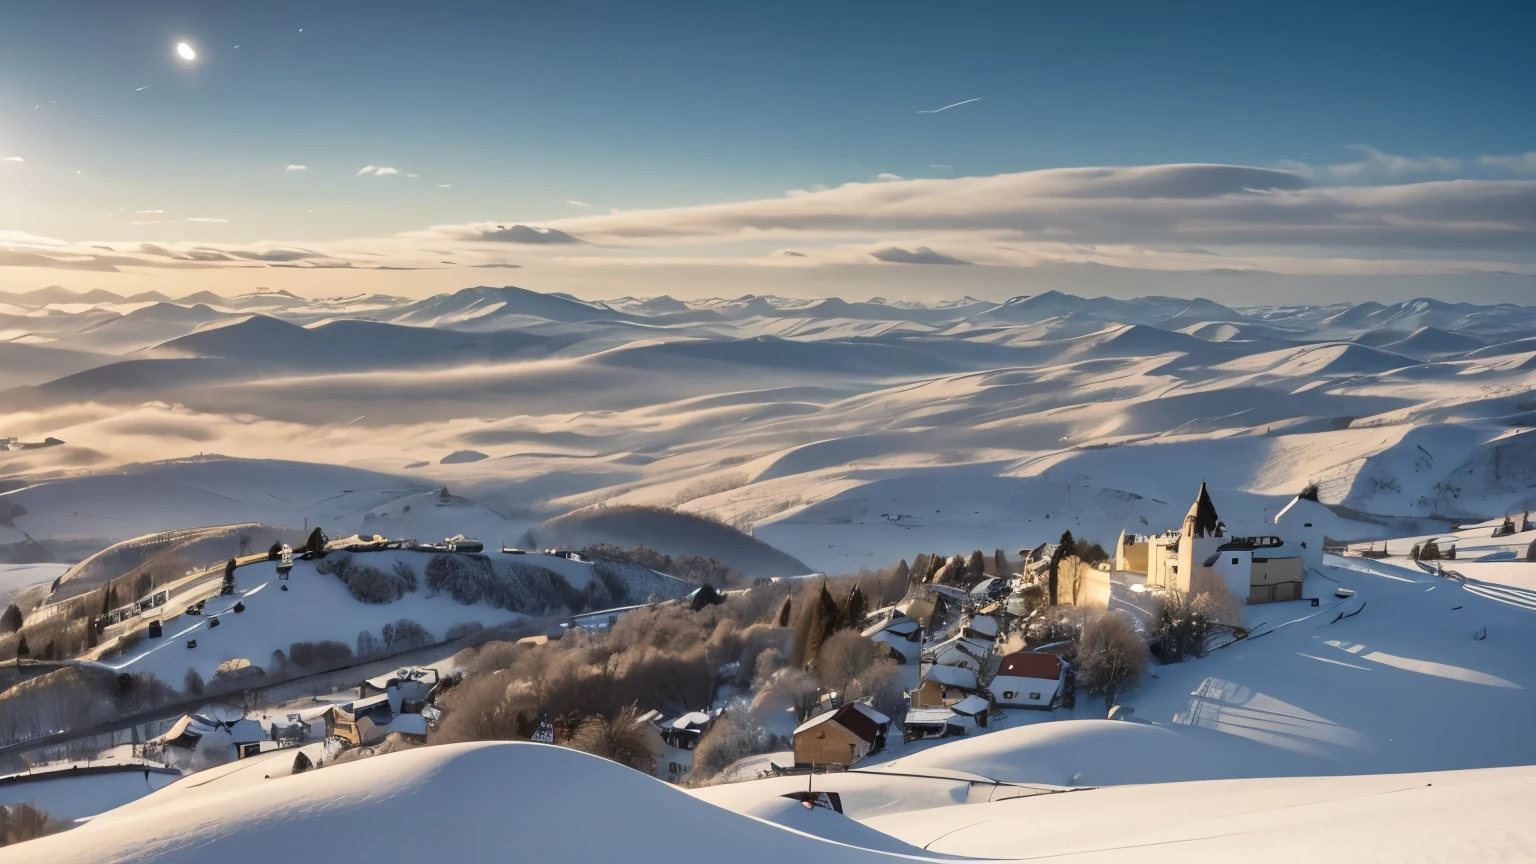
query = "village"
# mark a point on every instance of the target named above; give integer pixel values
(973, 658)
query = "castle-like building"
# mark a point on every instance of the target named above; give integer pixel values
(1202, 554)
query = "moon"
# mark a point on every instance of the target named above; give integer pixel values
(185, 51)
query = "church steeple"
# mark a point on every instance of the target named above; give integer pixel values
(1202, 520)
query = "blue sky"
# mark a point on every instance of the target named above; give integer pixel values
(508, 111)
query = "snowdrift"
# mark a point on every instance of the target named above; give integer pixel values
(469, 802)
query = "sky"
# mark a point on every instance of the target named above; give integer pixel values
(698, 148)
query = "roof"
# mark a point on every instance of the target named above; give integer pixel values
(951, 676)
(408, 724)
(985, 624)
(972, 706)
(856, 717)
(1030, 664)
(1203, 514)
(974, 647)
(357, 705)
(900, 626)
(248, 731)
(694, 720)
(927, 716)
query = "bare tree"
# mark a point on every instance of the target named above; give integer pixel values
(620, 738)
(1111, 657)
(731, 738)
(842, 658)
(797, 687)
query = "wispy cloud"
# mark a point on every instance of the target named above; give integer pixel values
(494, 233)
(366, 169)
(297, 168)
(939, 165)
(1522, 163)
(888, 177)
(1375, 162)
(13, 159)
(947, 107)
(579, 203)
(205, 219)
(415, 176)
(445, 185)
(384, 172)
(149, 211)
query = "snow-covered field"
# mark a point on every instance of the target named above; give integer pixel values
(478, 802)
(838, 435)
(844, 434)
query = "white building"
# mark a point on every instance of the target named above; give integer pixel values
(1027, 679)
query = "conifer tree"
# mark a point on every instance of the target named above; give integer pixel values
(855, 608)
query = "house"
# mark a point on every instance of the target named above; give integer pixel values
(1202, 555)
(943, 685)
(407, 689)
(841, 736)
(899, 636)
(1027, 679)
(1301, 522)
(982, 627)
(924, 723)
(363, 721)
(964, 651)
(673, 741)
(975, 708)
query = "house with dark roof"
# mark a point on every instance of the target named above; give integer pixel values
(1027, 679)
(841, 736)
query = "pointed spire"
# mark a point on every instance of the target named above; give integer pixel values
(1202, 520)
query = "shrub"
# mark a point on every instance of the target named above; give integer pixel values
(472, 579)
(881, 684)
(731, 738)
(406, 634)
(10, 622)
(319, 655)
(407, 575)
(1111, 657)
(369, 584)
(22, 822)
(368, 645)
(842, 658)
(192, 684)
(619, 739)
(1181, 627)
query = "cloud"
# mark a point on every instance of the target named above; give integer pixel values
(579, 203)
(1523, 164)
(415, 176)
(937, 165)
(13, 159)
(887, 178)
(366, 169)
(918, 255)
(205, 219)
(1205, 205)
(384, 172)
(1295, 167)
(1386, 164)
(490, 232)
(297, 168)
(789, 253)
(149, 211)
(819, 187)
(445, 185)
(498, 266)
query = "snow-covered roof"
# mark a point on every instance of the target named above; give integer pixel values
(694, 720)
(901, 626)
(972, 706)
(409, 724)
(929, 716)
(875, 716)
(984, 624)
(247, 731)
(951, 676)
